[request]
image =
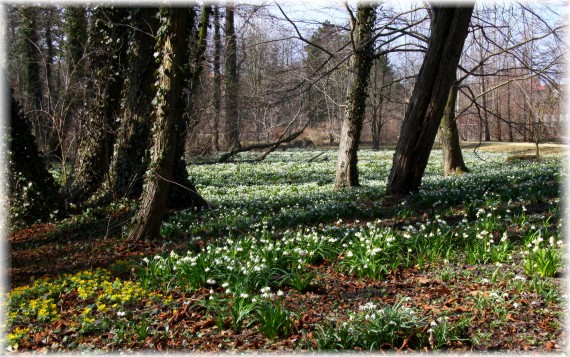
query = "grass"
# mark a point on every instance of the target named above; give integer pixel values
(285, 261)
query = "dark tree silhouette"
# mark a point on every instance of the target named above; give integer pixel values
(448, 32)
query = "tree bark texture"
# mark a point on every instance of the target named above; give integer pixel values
(377, 120)
(485, 118)
(217, 93)
(31, 94)
(129, 161)
(108, 41)
(346, 169)
(430, 94)
(166, 115)
(76, 35)
(30, 181)
(183, 193)
(231, 127)
(453, 162)
(196, 62)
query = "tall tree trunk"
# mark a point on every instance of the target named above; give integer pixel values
(448, 32)
(29, 179)
(167, 114)
(509, 112)
(196, 63)
(485, 118)
(76, 39)
(129, 161)
(183, 194)
(73, 94)
(231, 127)
(50, 96)
(452, 156)
(107, 78)
(32, 87)
(378, 101)
(346, 169)
(499, 115)
(217, 93)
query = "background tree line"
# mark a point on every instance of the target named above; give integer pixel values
(124, 98)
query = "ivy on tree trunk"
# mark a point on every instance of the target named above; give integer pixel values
(160, 176)
(129, 161)
(109, 43)
(346, 169)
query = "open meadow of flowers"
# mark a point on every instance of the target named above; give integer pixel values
(283, 261)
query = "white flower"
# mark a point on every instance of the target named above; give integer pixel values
(210, 281)
(225, 285)
(280, 293)
(121, 313)
(243, 295)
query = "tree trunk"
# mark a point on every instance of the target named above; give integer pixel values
(431, 91)
(183, 193)
(129, 161)
(31, 185)
(50, 95)
(485, 118)
(217, 93)
(32, 87)
(378, 102)
(168, 110)
(346, 169)
(97, 133)
(509, 112)
(452, 156)
(499, 116)
(231, 129)
(76, 39)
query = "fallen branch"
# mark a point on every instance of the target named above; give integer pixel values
(314, 157)
(269, 146)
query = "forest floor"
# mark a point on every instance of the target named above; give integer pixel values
(285, 263)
